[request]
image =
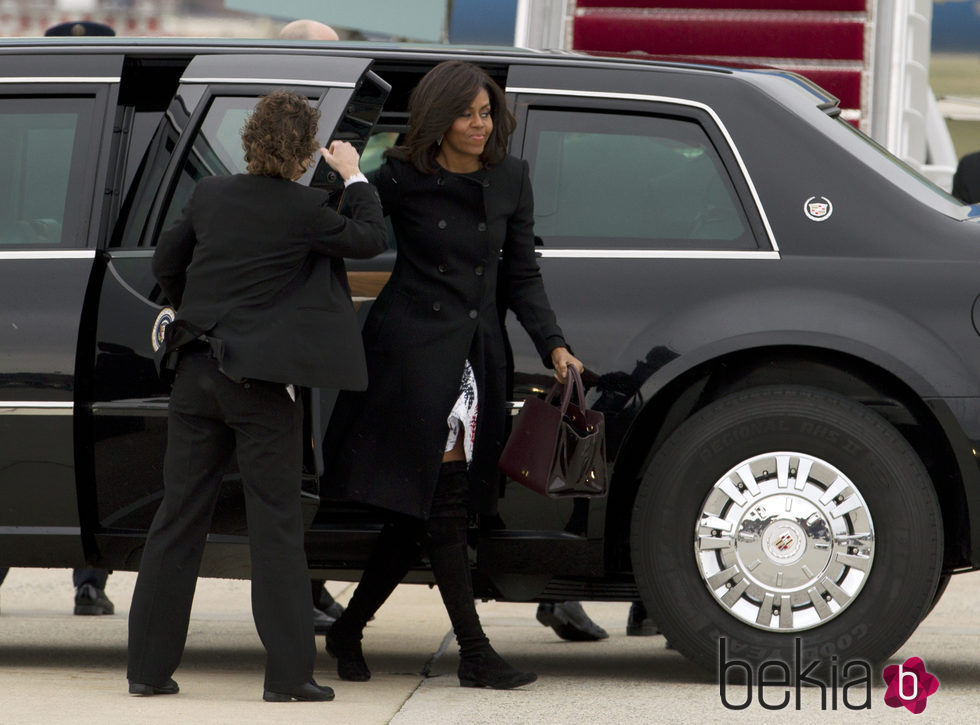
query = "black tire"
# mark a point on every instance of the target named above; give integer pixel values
(898, 580)
(940, 590)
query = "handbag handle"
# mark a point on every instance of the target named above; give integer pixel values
(574, 382)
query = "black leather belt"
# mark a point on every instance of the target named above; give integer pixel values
(196, 347)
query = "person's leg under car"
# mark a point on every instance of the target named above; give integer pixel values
(90, 596)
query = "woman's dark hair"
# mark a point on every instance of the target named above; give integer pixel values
(442, 95)
(279, 136)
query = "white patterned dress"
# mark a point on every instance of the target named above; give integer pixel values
(462, 417)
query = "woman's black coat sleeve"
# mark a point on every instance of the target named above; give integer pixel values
(383, 179)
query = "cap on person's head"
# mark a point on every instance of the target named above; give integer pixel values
(79, 28)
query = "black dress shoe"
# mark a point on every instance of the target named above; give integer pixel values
(485, 668)
(167, 688)
(570, 622)
(91, 600)
(322, 622)
(307, 692)
(351, 665)
(329, 606)
(638, 624)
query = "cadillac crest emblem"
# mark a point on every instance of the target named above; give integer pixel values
(818, 208)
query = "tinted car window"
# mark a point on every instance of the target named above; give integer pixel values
(371, 160)
(373, 155)
(41, 163)
(630, 181)
(148, 177)
(215, 151)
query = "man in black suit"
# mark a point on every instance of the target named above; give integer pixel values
(255, 270)
(966, 180)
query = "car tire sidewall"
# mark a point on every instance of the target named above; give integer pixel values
(890, 477)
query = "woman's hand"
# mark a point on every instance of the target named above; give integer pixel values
(561, 358)
(343, 159)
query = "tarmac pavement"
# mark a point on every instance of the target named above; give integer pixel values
(59, 668)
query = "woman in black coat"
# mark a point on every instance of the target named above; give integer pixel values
(463, 217)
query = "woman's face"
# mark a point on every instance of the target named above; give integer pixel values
(463, 143)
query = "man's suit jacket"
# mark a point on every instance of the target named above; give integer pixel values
(256, 263)
(966, 180)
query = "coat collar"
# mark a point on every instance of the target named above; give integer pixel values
(481, 176)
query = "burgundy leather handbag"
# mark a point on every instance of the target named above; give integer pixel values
(558, 450)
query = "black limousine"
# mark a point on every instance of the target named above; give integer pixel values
(779, 320)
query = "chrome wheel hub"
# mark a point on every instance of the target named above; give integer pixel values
(784, 541)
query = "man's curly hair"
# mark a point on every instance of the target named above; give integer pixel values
(279, 136)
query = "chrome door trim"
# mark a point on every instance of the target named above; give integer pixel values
(271, 81)
(49, 254)
(36, 407)
(654, 254)
(59, 79)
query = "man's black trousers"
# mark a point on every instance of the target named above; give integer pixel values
(211, 417)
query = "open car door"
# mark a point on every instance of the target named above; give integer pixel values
(197, 136)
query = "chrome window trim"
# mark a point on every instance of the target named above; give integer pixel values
(677, 101)
(36, 407)
(49, 254)
(654, 254)
(60, 79)
(34, 530)
(271, 81)
(153, 407)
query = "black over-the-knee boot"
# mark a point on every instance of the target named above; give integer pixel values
(398, 547)
(479, 665)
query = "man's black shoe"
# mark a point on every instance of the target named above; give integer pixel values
(570, 622)
(308, 692)
(329, 606)
(322, 622)
(167, 688)
(90, 600)
(638, 624)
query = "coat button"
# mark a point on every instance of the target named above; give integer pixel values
(478, 270)
(481, 227)
(486, 183)
(443, 268)
(440, 181)
(473, 314)
(442, 224)
(436, 306)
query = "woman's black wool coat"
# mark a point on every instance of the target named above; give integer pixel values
(465, 243)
